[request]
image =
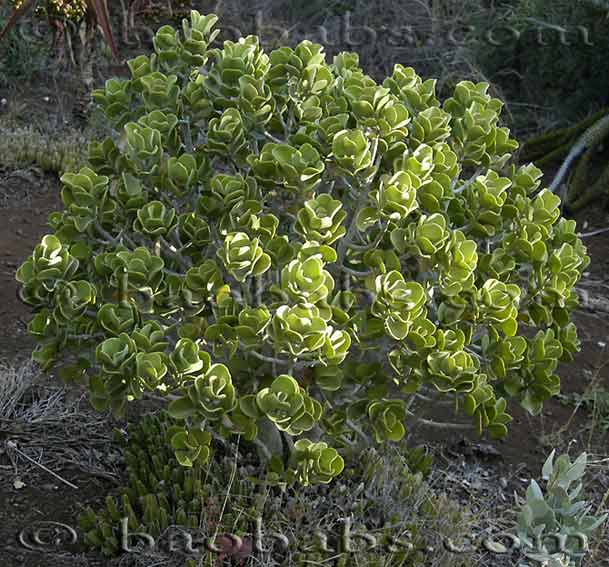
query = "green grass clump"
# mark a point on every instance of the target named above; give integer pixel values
(595, 402)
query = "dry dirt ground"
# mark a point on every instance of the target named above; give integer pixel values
(26, 198)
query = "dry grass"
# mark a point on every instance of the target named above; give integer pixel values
(52, 426)
(14, 383)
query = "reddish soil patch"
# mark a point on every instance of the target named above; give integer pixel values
(26, 199)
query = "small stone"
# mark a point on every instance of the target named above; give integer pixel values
(46, 98)
(19, 232)
(601, 344)
(3, 102)
(18, 484)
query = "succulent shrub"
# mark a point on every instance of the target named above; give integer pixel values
(555, 525)
(282, 249)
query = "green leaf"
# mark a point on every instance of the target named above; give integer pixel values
(181, 408)
(366, 218)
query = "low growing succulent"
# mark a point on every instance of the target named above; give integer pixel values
(22, 147)
(555, 524)
(287, 251)
(161, 501)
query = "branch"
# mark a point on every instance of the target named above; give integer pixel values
(592, 136)
(427, 399)
(265, 451)
(122, 236)
(444, 425)
(371, 245)
(287, 439)
(279, 361)
(187, 135)
(85, 337)
(172, 273)
(167, 398)
(471, 180)
(348, 238)
(347, 441)
(269, 359)
(186, 263)
(273, 138)
(111, 239)
(354, 272)
(13, 446)
(359, 432)
(594, 232)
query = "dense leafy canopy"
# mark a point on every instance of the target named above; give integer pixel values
(285, 250)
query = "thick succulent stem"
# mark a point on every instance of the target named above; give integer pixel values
(601, 187)
(540, 146)
(591, 137)
(360, 433)
(580, 175)
(555, 154)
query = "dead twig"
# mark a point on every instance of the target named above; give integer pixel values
(13, 447)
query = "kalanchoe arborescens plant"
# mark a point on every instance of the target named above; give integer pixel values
(283, 249)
